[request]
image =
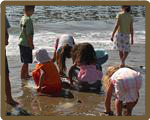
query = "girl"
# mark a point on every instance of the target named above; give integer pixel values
(125, 83)
(63, 52)
(124, 26)
(84, 56)
(45, 75)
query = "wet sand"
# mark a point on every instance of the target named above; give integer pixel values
(90, 104)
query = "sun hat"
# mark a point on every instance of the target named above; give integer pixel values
(66, 39)
(41, 56)
(100, 53)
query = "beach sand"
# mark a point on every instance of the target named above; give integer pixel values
(90, 104)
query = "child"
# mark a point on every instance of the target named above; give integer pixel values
(84, 56)
(63, 52)
(125, 84)
(26, 40)
(45, 75)
(124, 26)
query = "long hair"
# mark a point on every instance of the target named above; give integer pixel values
(74, 52)
(106, 78)
(85, 53)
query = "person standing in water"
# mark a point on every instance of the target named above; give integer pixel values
(26, 40)
(124, 26)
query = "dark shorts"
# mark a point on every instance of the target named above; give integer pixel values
(25, 54)
(6, 66)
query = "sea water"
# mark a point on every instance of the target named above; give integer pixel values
(93, 24)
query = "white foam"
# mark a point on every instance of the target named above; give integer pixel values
(46, 39)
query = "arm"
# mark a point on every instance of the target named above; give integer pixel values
(115, 29)
(30, 40)
(29, 33)
(41, 81)
(70, 72)
(6, 37)
(55, 51)
(7, 25)
(132, 33)
(108, 98)
(63, 67)
(61, 63)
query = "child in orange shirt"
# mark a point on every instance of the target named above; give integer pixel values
(45, 75)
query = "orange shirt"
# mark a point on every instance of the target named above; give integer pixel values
(51, 77)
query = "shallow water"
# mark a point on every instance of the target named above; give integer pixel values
(83, 104)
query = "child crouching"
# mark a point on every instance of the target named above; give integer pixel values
(125, 84)
(46, 75)
(89, 76)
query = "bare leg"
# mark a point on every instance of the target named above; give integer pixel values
(24, 71)
(121, 58)
(130, 107)
(9, 98)
(125, 54)
(118, 107)
(27, 74)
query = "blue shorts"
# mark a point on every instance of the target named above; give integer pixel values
(25, 54)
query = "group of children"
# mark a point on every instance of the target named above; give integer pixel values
(121, 82)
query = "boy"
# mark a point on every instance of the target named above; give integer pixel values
(26, 40)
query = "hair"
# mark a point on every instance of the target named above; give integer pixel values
(109, 72)
(74, 51)
(28, 7)
(127, 8)
(106, 78)
(85, 53)
(66, 51)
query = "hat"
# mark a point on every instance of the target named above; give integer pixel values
(100, 53)
(41, 56)
(66, 39)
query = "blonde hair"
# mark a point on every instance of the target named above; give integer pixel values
(106, 78)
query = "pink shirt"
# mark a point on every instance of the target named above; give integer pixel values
(127, 83)
(89, 73)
